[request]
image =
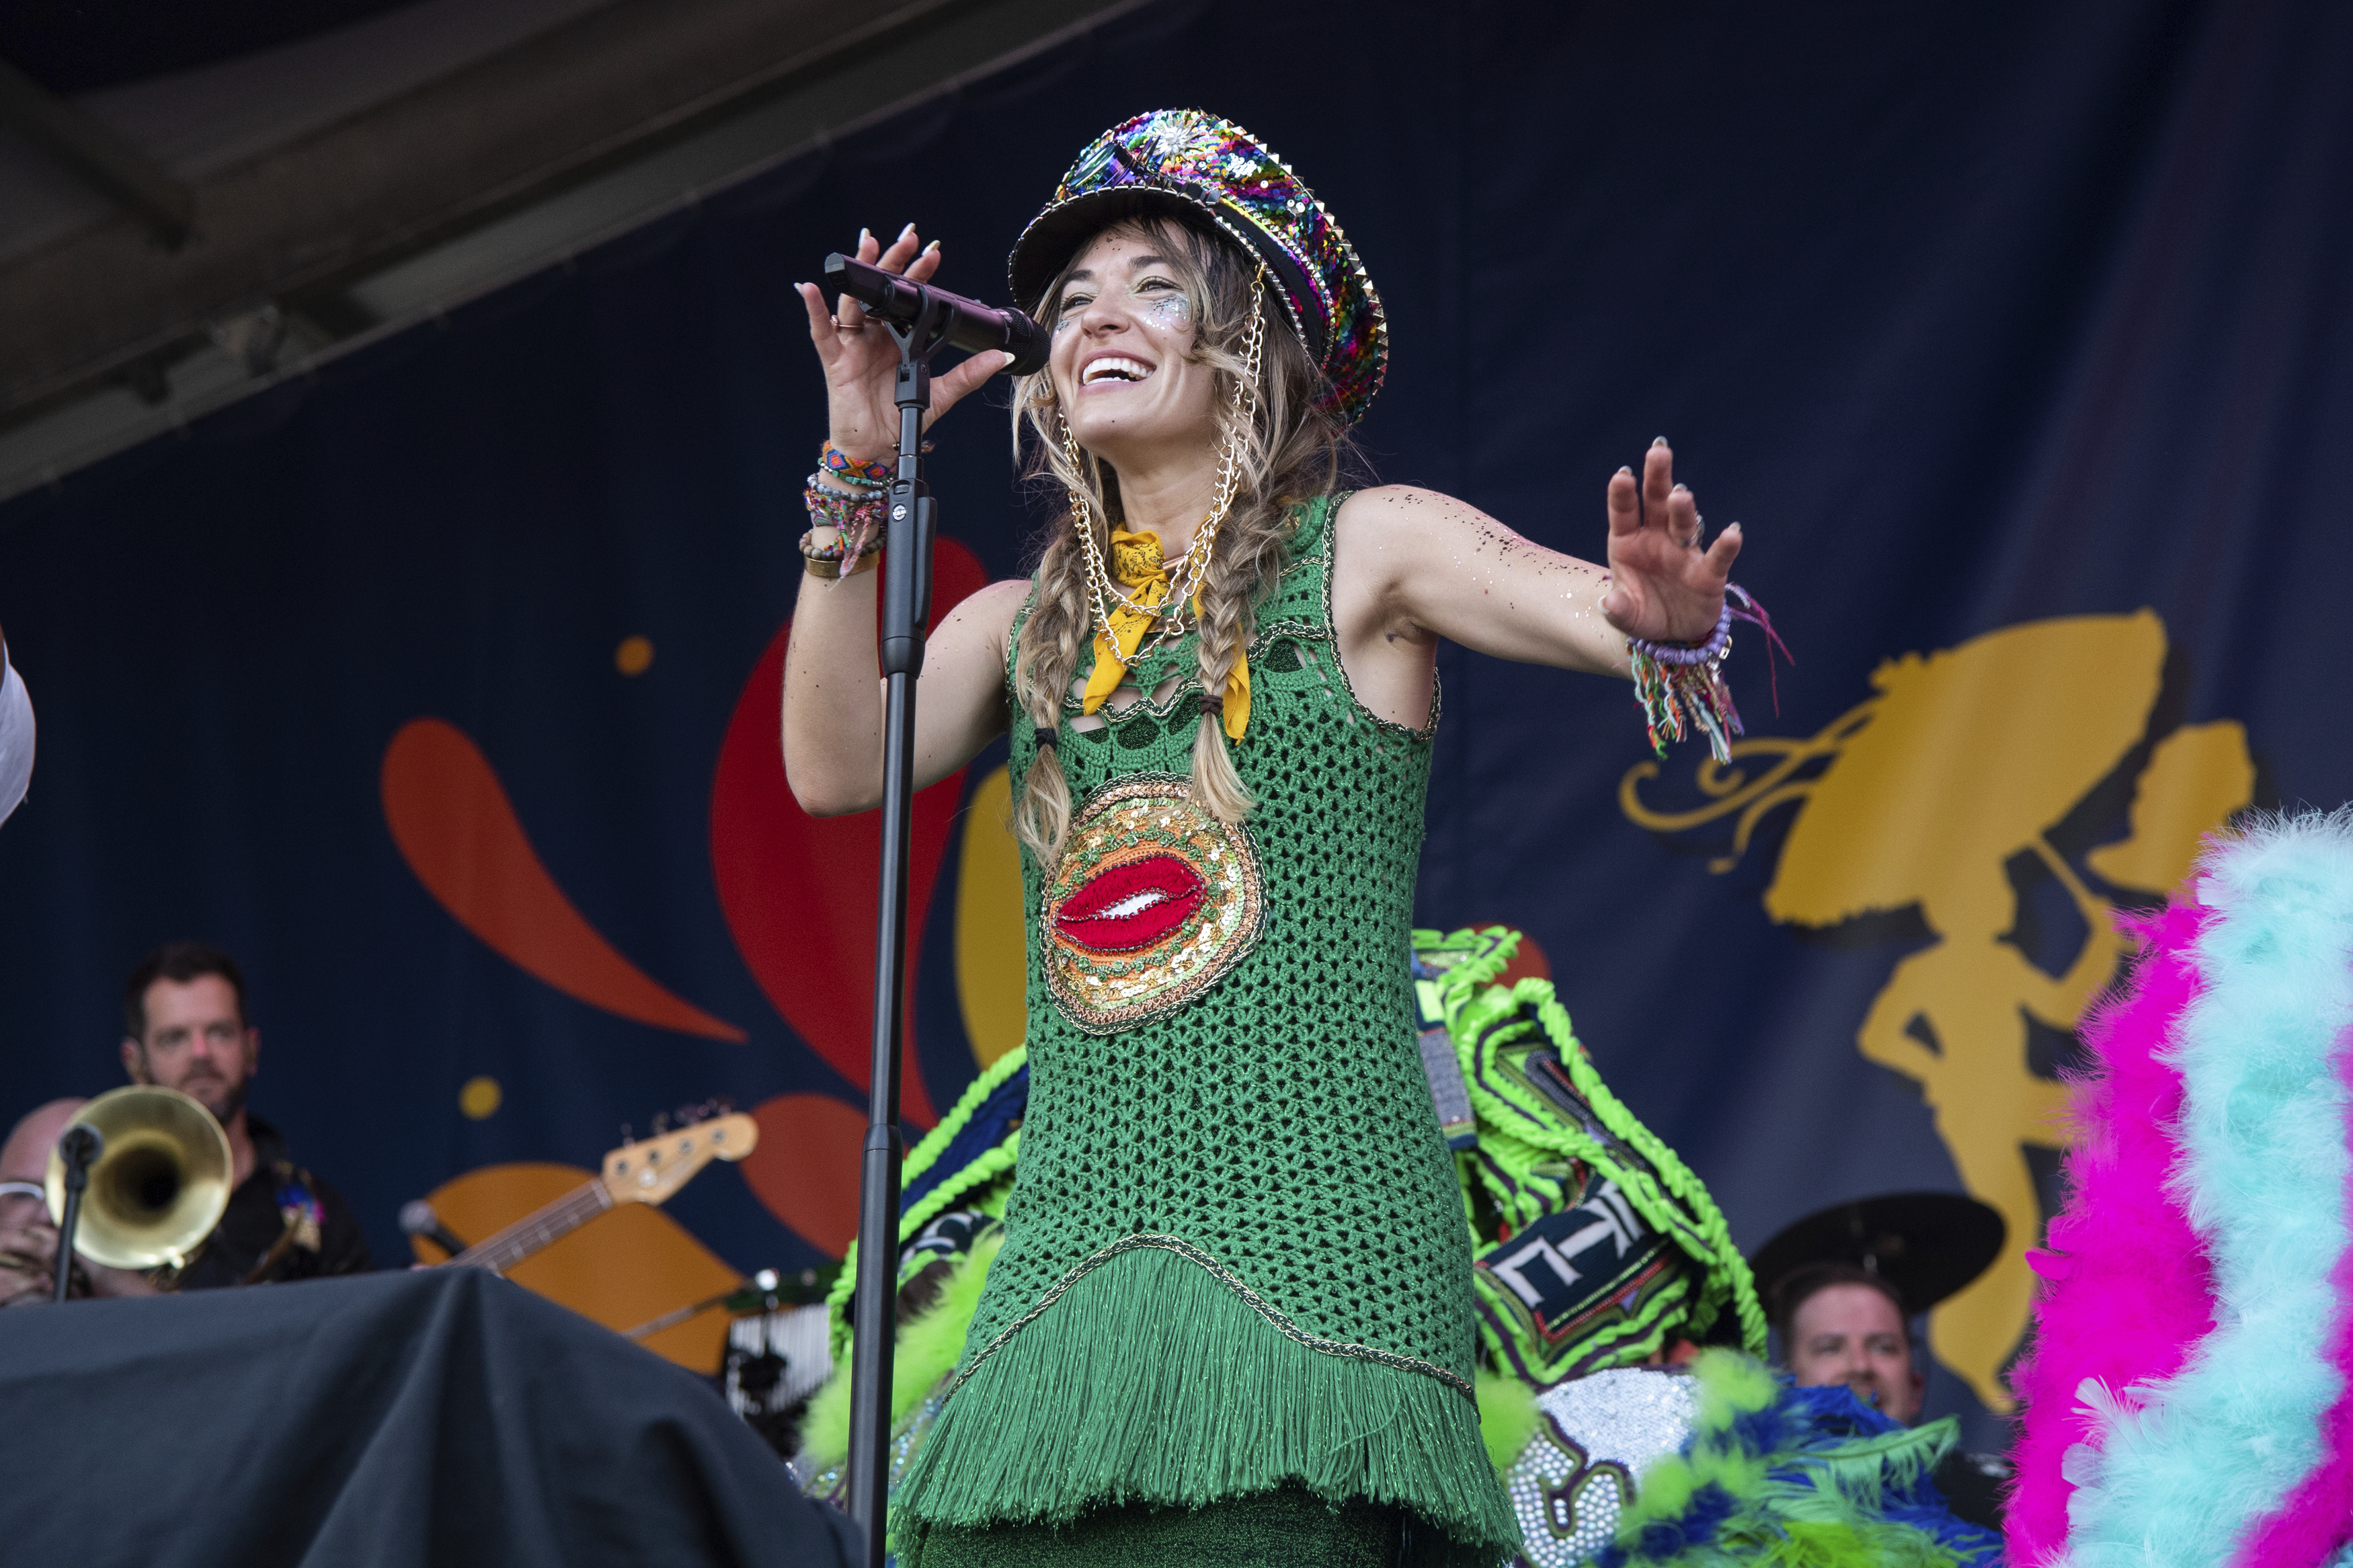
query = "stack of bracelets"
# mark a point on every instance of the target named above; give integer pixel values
(1680, 686)
(855, 513)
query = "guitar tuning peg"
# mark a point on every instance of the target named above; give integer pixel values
(661, 1122)
(626, 1138)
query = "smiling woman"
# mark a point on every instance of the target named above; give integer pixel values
(1220, 693)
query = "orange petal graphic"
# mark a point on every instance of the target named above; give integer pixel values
(805, 1166)
(451, 818)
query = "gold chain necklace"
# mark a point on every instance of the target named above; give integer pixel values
(1173, 615)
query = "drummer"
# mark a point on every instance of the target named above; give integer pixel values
(1843, 1324)
(1842, 1287)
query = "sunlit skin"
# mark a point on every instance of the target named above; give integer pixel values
(1411, 566)
(1853, 1334)
(198, 1042)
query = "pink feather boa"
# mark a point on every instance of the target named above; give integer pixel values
(2128, 1288)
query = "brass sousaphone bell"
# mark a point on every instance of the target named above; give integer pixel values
(161, 1183)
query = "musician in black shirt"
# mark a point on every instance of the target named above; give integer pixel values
(186, 1028)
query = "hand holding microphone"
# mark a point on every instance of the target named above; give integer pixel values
(963, 323)
(860, 360)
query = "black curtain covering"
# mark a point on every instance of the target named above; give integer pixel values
(1996, 324)
(437, 1419)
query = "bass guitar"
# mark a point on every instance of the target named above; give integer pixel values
(642, 1171)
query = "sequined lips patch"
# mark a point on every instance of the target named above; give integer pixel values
(1154, 900)
(1131, 905)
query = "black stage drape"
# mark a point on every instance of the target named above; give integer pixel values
(416, 1420)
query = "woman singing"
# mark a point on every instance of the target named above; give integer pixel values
(1232, 1319)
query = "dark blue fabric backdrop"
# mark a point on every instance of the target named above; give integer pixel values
(1974, 315)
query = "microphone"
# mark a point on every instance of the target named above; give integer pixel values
(418, 1218)
(81, 1145)
(967, 324)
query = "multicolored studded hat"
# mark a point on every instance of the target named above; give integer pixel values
(1189, 162)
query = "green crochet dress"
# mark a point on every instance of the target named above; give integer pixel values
(1235, 1259)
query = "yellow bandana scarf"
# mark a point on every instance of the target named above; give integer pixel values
(1135, 562)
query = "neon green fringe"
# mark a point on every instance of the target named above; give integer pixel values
(1781, 1524)
(991, 1164)
(926, 1353)
(1507, 1418)
(1151, 1382)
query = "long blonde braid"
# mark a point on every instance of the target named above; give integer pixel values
(1289, 449)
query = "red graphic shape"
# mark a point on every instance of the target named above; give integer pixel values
(1528, 963)
(1131, 905)
(799, 892)
(806, 1167)
(458, 833)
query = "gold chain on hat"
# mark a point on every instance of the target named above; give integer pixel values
(1175, 610)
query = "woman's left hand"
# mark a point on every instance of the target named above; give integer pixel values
(1662, 585)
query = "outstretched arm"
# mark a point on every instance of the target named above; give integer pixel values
(1417, 565)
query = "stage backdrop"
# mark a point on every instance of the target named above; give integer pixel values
(442, 687)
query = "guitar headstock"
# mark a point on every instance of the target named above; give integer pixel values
(649, 1170)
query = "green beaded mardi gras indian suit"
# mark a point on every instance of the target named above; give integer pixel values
(1236, 1258)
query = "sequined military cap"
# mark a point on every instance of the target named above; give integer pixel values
(1193, 164)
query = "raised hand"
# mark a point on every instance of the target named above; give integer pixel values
(1663, 584)
(861, 361)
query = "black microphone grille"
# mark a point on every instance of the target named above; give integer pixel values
(1028, 342)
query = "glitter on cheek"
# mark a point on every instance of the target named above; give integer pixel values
(1171, 311)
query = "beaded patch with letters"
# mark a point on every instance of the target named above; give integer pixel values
(1154, 900)
(1594, 1438)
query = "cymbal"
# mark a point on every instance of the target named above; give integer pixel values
(1929, 1246)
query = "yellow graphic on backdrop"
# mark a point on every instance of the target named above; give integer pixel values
(992, 962)
(1919, 799)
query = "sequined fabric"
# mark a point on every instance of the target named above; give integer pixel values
(1595, 1436)
(1217, 169)
(1154, 901)
(831, 1483)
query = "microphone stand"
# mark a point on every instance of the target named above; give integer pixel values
(78, 1150)
(906, 606)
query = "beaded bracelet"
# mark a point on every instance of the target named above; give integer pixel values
(857, 522)
(1680, 687)
(839, 466)
(828, 562)
(838, 508)
(1712, 651)
(850, 554)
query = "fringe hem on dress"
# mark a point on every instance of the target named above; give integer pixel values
(1150, 1380)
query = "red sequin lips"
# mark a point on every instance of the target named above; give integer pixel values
(1131, 905)
(1154, 900)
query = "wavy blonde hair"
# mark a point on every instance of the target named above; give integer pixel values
(1290, 449)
